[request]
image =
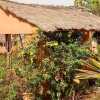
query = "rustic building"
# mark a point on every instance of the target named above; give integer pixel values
(18, 18)
(47, 18)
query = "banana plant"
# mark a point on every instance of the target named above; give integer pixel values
(92, 70)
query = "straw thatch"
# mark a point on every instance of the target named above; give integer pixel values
(49, 18)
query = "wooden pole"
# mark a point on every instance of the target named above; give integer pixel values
(8, 48)
(87, 37)
(21, 41)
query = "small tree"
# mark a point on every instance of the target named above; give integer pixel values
(93, 5)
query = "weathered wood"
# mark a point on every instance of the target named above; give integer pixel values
(21, 41)
(8, 42)
(8, 45)
(87, 36)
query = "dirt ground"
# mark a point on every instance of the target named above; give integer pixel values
(94, 96)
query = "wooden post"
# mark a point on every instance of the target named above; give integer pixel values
(8, 48)
(21, 41)
(87, 36)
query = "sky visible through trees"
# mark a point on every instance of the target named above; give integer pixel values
(50, 2)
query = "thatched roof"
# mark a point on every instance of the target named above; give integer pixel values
(49, 18)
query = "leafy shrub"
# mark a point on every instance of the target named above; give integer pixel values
(56, 79)
(64, 74)
(2, 73)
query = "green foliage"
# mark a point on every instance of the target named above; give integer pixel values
(8, 91)
(11, 93)
(59, 71)
(93, 5)
(99, 48)
(62, 74)
(11, 84)
(2, 73)
(29, 52)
